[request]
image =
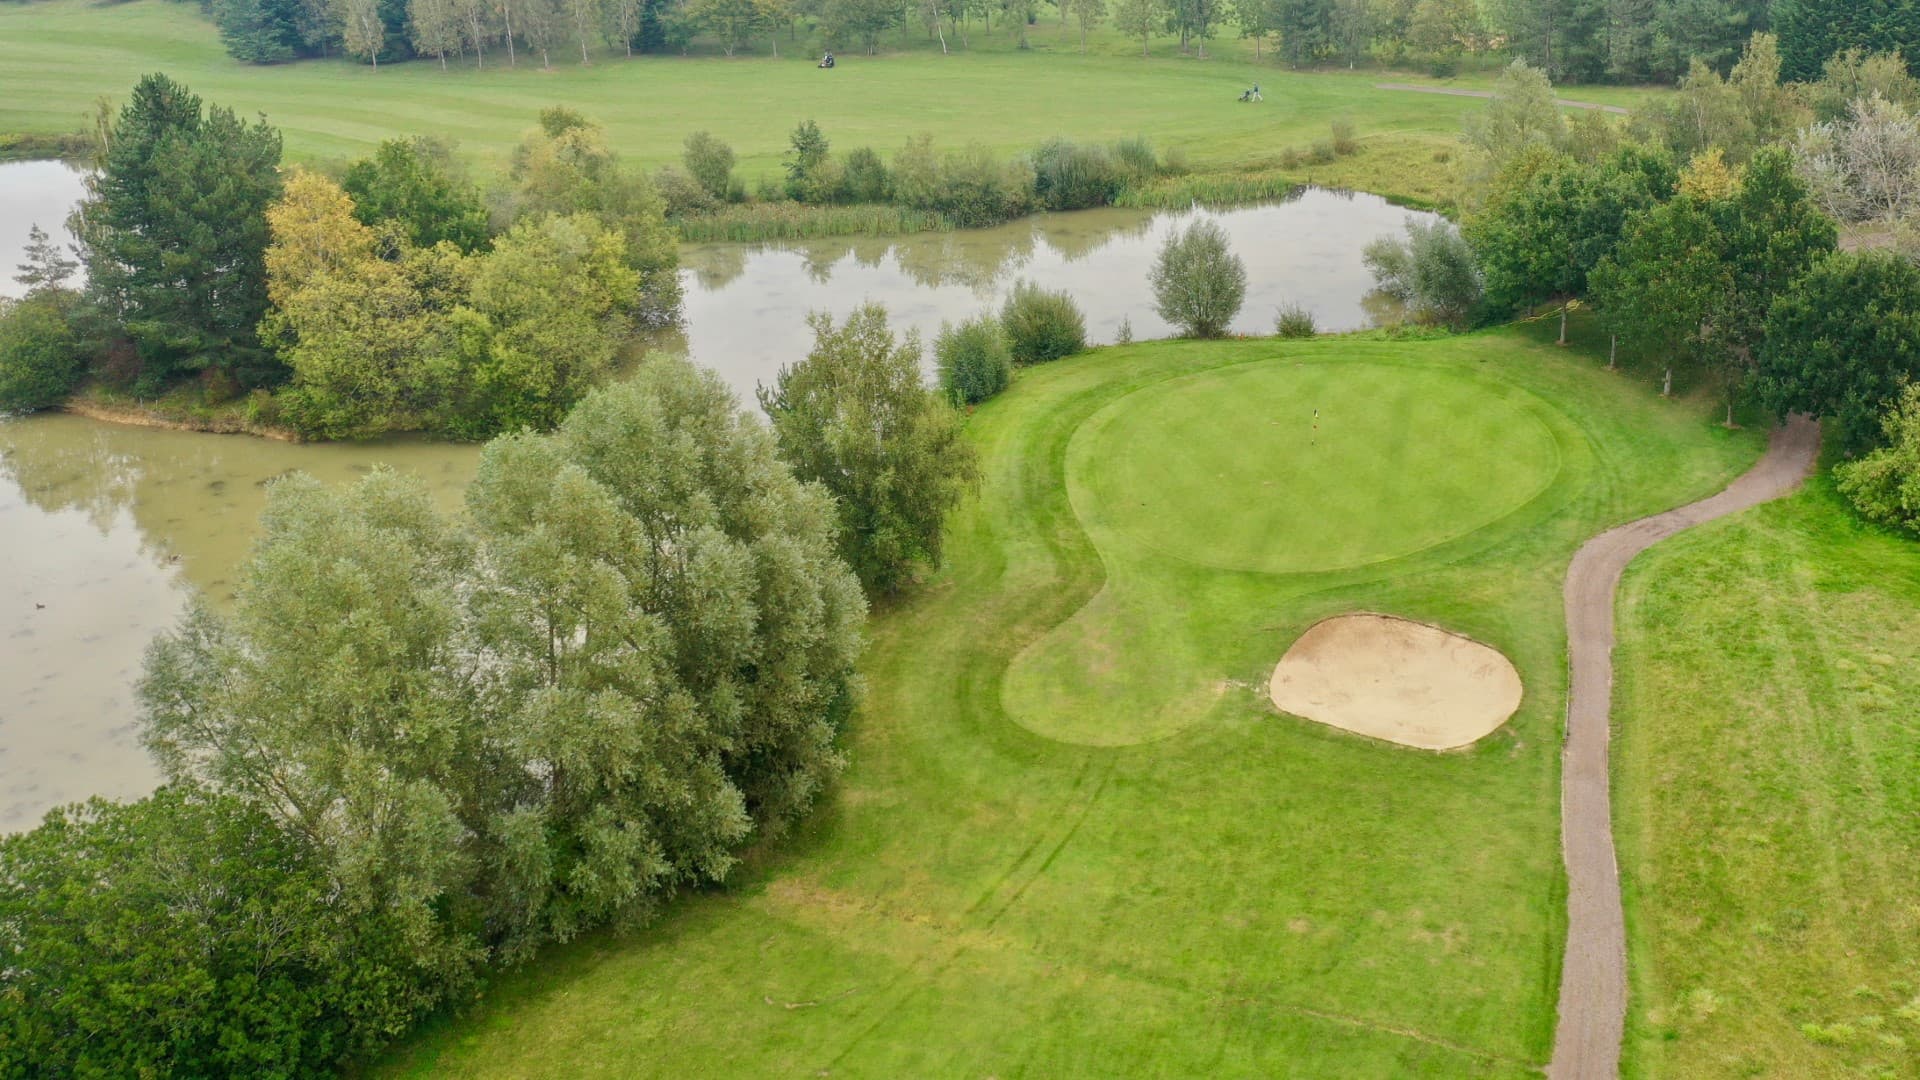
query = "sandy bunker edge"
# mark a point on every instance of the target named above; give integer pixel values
(1398, 680)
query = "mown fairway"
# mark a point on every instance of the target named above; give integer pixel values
(56, 57)
(1768, 797)
(1075, 839)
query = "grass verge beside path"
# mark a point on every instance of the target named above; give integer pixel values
(57, 56)
(1767, 790)
(1243, 893)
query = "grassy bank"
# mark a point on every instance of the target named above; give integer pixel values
(1768, 797)
(57, 56)
(1076, 840)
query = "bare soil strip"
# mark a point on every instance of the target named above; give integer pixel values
(1593, 981)
(1455, 91)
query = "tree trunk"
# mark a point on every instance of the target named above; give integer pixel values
(1666, 383)
(506, 12)
(943, 35)
(1563, 324)
(1613, 349)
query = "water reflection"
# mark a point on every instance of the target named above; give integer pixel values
(105, 531)
(746, 306)
(33, 193)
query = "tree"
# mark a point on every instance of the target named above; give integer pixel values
(623, 22)
(1353, 28)
(416, 184)
(1560, 37)
(1865, 167)
(557, 296)
(804, 160)
(476, 21)
(1884, 485)
(1843, 342)
(855, 418)
(1088, 14)
(1661, 286)
(1198, 282)
(362, 342)
(261, 31)
(710, 162)
(1041, 325)
(731, 22)
(40, 360)
(185, 935)
(362, 30)
(1194, 21)
(1540, 237)
(973, 359)
(585, 17)
(1812, 31)
(1854, 74)
(1521, 115)
(862, 21)
(541, 23)
(174, 233)
(565, 167)
(1438, 31)
(1306, 29)
(1138, 18)
(436, 28)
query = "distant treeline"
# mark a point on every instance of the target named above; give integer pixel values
(1627, 41)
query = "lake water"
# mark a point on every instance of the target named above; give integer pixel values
(107, 531)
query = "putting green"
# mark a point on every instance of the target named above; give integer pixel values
(1282, 467)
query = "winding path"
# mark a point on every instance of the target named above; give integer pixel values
(1593, 981)
(1455, 91)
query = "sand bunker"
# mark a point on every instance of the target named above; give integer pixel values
(1398, 680)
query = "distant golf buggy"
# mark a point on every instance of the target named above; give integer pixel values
(1252, 93)
(826, 61)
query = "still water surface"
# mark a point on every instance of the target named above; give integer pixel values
(107, 531)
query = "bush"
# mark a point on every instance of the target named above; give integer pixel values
(40, 361)
(1884, 486)
(1069, 177)
(1041, 325)
(710, 162)
(683, 196)
(970, 188)
(1321, 153)
(1124, 335)
(185, 935)
(1198, 282)
(864, 178)
(973, 359)
(1135, 159)
(1291, 157)
(1344, 142)
(1294, 321)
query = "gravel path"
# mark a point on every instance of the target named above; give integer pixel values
(1454, 91)
(1593, 983)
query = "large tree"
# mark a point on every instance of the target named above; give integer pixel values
(855, 417)
(1843, 341)
(1198, 282)
(174, 233)
(417, 185)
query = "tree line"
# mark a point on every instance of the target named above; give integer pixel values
(395, 297)
(1628, 41)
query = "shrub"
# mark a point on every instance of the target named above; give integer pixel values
(710, 162)
(1041, 325)
(1135, 159)
(969, 189)
(1070, 177)
(1344, 142)
(1321, 153)
(1174, 163)
(683, 196)
(973, 359)
(1124, 335)
(1198, 282)
(1291, 157)
(40, 361)
(864, 178)
(804, 157)
(1884, 486)
(1294, 321)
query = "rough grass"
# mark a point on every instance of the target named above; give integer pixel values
(57, 56)
(1767, 788)
(1245, 893)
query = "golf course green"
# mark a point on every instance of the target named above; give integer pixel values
(1076, 839)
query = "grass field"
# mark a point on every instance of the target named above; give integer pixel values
(1075, 839)
(1768, 795)
(57, 56)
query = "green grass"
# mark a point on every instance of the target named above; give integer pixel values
(1768, 797)
(1076, 841)
(57, 56)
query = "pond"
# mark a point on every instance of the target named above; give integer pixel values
(33, 193)
(108, 531)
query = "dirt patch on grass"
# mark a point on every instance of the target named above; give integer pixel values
(1398, 680)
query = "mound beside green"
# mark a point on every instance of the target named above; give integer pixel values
(1222, 889)
(1767, 785)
